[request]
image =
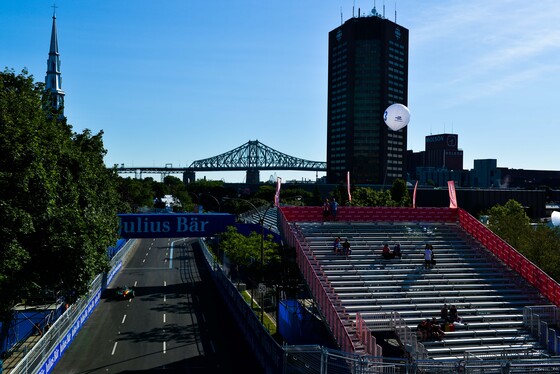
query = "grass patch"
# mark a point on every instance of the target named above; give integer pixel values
(268, 323)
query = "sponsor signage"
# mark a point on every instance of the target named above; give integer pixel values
(56, 354)
(173, 225)
(434, 139)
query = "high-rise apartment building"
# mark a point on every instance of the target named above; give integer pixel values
(368, 71)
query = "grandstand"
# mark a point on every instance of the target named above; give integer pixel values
(491, 284)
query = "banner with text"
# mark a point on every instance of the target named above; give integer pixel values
(173, 225)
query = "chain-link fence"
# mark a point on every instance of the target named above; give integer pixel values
(320, 360)
(44, 355)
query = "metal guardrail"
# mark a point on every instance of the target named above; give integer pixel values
(543, 322)
(43, 356)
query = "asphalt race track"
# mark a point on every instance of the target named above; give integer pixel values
(177, 322)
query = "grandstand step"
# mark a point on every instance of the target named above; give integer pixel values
(490, 297)
(446, 341)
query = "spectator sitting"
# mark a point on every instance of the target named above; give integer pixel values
(435, 330)
(454, 315)
(445, 313)
(346, 251)
(397, 251)
(387, 253)
(337, 246)
(422, 330)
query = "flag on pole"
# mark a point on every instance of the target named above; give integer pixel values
(452, 195)
(348, 185)
(277, 196)
(414, 195)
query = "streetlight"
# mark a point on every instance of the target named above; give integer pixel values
(261, 223)
(213, 197)
(199, 198)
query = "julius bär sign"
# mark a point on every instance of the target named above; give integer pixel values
(173, 225)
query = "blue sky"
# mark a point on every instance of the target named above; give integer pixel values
(182, 80)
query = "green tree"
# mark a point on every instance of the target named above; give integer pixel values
(135, 194)
(511, 223)
(245, 251)
(58, 201)
(543, 249)
(266, 192)
(316, 199)
(365, 196)
(539, 243)
(399, 193)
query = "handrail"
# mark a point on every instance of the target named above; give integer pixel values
(511, 257)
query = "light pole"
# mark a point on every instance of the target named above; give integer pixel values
(213, 197)
(197, 199)
(261, 216)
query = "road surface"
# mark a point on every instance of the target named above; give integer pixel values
(177, 322)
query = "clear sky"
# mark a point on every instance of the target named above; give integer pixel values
(175, 81)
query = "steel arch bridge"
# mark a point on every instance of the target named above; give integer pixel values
(252, 157)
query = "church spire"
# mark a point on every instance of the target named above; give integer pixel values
(53, 80)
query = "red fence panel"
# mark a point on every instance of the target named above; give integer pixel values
(512, 258)
(372, 214)
(323, 293)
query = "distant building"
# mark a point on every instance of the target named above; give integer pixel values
(368, 71)
(529, 179)
(443, 151)
(438, 177)
(441, 157)
(486, 174)
(53, 79)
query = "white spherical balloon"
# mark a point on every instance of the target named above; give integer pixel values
(396, 116)
(555, 218)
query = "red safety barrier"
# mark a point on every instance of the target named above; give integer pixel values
(511, 257)
(371, 214)
(324, 295)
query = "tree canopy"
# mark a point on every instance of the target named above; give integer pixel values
(539, 243)
(58, 200)
(245, 251)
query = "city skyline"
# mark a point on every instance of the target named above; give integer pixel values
(151, 77)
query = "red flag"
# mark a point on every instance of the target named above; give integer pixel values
(452, 195)
(277, 196)
(348, 184)
(414, 195)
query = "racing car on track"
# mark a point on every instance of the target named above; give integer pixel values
(124, 293)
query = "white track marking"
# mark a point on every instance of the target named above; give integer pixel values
(124, 318)
(114, 348)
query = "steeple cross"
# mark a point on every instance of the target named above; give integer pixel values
(54, 9)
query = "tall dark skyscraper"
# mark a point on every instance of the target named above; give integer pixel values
(368, 71)
(53, 80)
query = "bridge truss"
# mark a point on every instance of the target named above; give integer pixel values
(258, 156)
(251, 157)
